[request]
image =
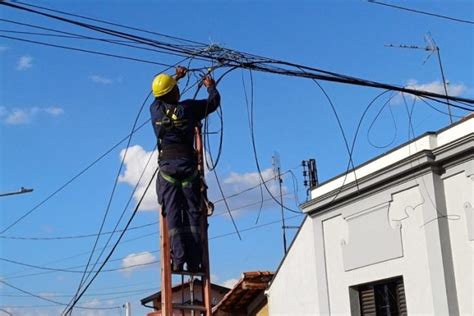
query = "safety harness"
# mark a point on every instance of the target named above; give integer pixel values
(172, 119)
(185, 183)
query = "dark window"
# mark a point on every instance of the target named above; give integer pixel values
(381, 298)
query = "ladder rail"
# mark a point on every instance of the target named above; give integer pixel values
(167, 305)
(206, 280)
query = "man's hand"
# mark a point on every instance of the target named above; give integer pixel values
(180, 72)
(208, 82)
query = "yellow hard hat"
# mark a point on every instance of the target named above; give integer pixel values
(162, 84)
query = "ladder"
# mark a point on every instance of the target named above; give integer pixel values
(167, 305)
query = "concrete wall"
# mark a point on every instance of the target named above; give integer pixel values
(413, 218)
(458, 184)
(295, 289)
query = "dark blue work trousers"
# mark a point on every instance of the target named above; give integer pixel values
(181, 205)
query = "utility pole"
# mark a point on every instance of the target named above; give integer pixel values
(128, 309)
(277, 174)
(433, 48)
(21, 191)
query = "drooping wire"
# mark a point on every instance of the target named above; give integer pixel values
(421, 12)
(226, 204)
(341, 129)
(124, 156)
(83, 50)
(240, 59)
(50, 300)
(254, 147)
(109, 23)
(109, 202)
(67, 311)
(359, 124)
(71, 35)
(387, 103)
(71, 268)
(115, 230)
(72, 179)
(259, 185)
(251, 129)
(411, 134)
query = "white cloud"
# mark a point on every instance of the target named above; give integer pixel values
(18, 116)
(437, 87)
(54, 111)
(137, 158)
(101, 79)
(24, 63)
(135, 161)
(31, 311)
(134, 259)
(230, 283)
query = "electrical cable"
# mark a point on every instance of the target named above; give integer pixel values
(73, 236)
(226, 204)
(83, 50)
(433, 204)
(109, 23)
(90, 294)
(50, 300)
(109, 203)
(421, 12)
(67, 311)
(131, 228)
(359, 124)
(234, 58)
(339, 123)
(71, 269)
(84, 277)
(76, 299)
(250, 123)
(375, 119)
(82, 37)
(121, 216)
(254, 147)
(68, 182)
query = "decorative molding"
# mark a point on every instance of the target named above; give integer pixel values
(372, 238)
(469, 220)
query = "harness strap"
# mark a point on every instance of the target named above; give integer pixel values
(185, 183)
(194, 230)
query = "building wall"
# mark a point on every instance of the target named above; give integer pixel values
(419, 224)
(295, 289)
(459, 190)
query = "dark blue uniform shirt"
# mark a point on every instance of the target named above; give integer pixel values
(192, 110)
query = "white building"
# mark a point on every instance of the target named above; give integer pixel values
(398, 240)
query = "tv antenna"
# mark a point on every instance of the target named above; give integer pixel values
(433, 48)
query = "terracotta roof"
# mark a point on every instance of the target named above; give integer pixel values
(244, 292)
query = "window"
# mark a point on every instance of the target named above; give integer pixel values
(381, 298)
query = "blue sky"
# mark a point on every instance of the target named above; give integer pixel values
(60, 110)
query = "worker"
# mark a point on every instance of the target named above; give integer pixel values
(178, 183)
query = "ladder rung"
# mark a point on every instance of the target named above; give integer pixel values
(189, 307)
(202, 274)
